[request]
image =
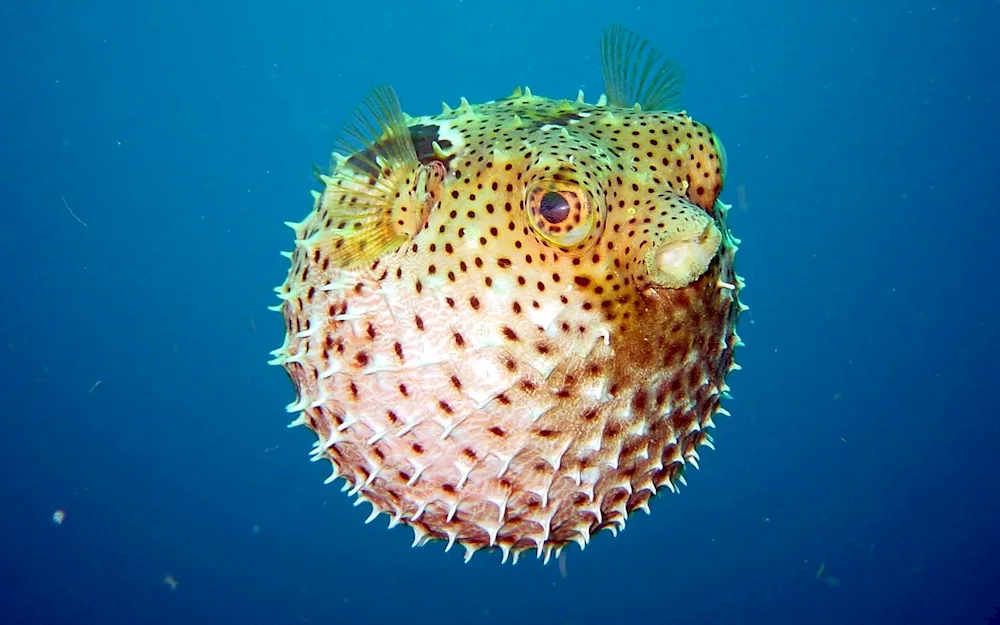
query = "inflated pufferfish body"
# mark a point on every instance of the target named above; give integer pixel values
(510, 324)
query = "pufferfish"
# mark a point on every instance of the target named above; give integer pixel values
(510, 325)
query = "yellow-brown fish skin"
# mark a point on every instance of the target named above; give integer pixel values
(490, 387)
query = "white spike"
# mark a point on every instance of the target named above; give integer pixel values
(419, 534)
(420, 512)
(579, 97)
(501, 504)
(492, 531)
(330, 371)
(470, 550)
(349, 421)
(416, 474)
(505, 465)
(463, 472)
(304, 334)
(439, 151)
(321, 399)
(376, 437)
(334, 474)
(406, 428)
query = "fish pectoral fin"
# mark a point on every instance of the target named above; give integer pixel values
(379, 196)
(378, 137)
(635, 72)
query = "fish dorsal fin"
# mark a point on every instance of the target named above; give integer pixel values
(635, 72)
(378, 196)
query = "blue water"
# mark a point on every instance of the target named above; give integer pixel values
(864, 436)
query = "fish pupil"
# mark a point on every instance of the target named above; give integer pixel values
(554, 208)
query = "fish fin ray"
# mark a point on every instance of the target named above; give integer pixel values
(635, 72)
(379, 133)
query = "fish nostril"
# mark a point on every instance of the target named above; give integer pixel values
(553, 208)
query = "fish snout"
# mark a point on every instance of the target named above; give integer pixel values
(683, 249)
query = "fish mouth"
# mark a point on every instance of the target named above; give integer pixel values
(680, 260)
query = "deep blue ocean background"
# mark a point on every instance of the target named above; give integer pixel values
(864, 436)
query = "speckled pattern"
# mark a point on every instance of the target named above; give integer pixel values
(510, 324)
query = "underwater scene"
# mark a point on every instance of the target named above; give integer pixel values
(481, 313)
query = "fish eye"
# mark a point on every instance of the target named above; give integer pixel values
(560, 212)
(553, 208)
